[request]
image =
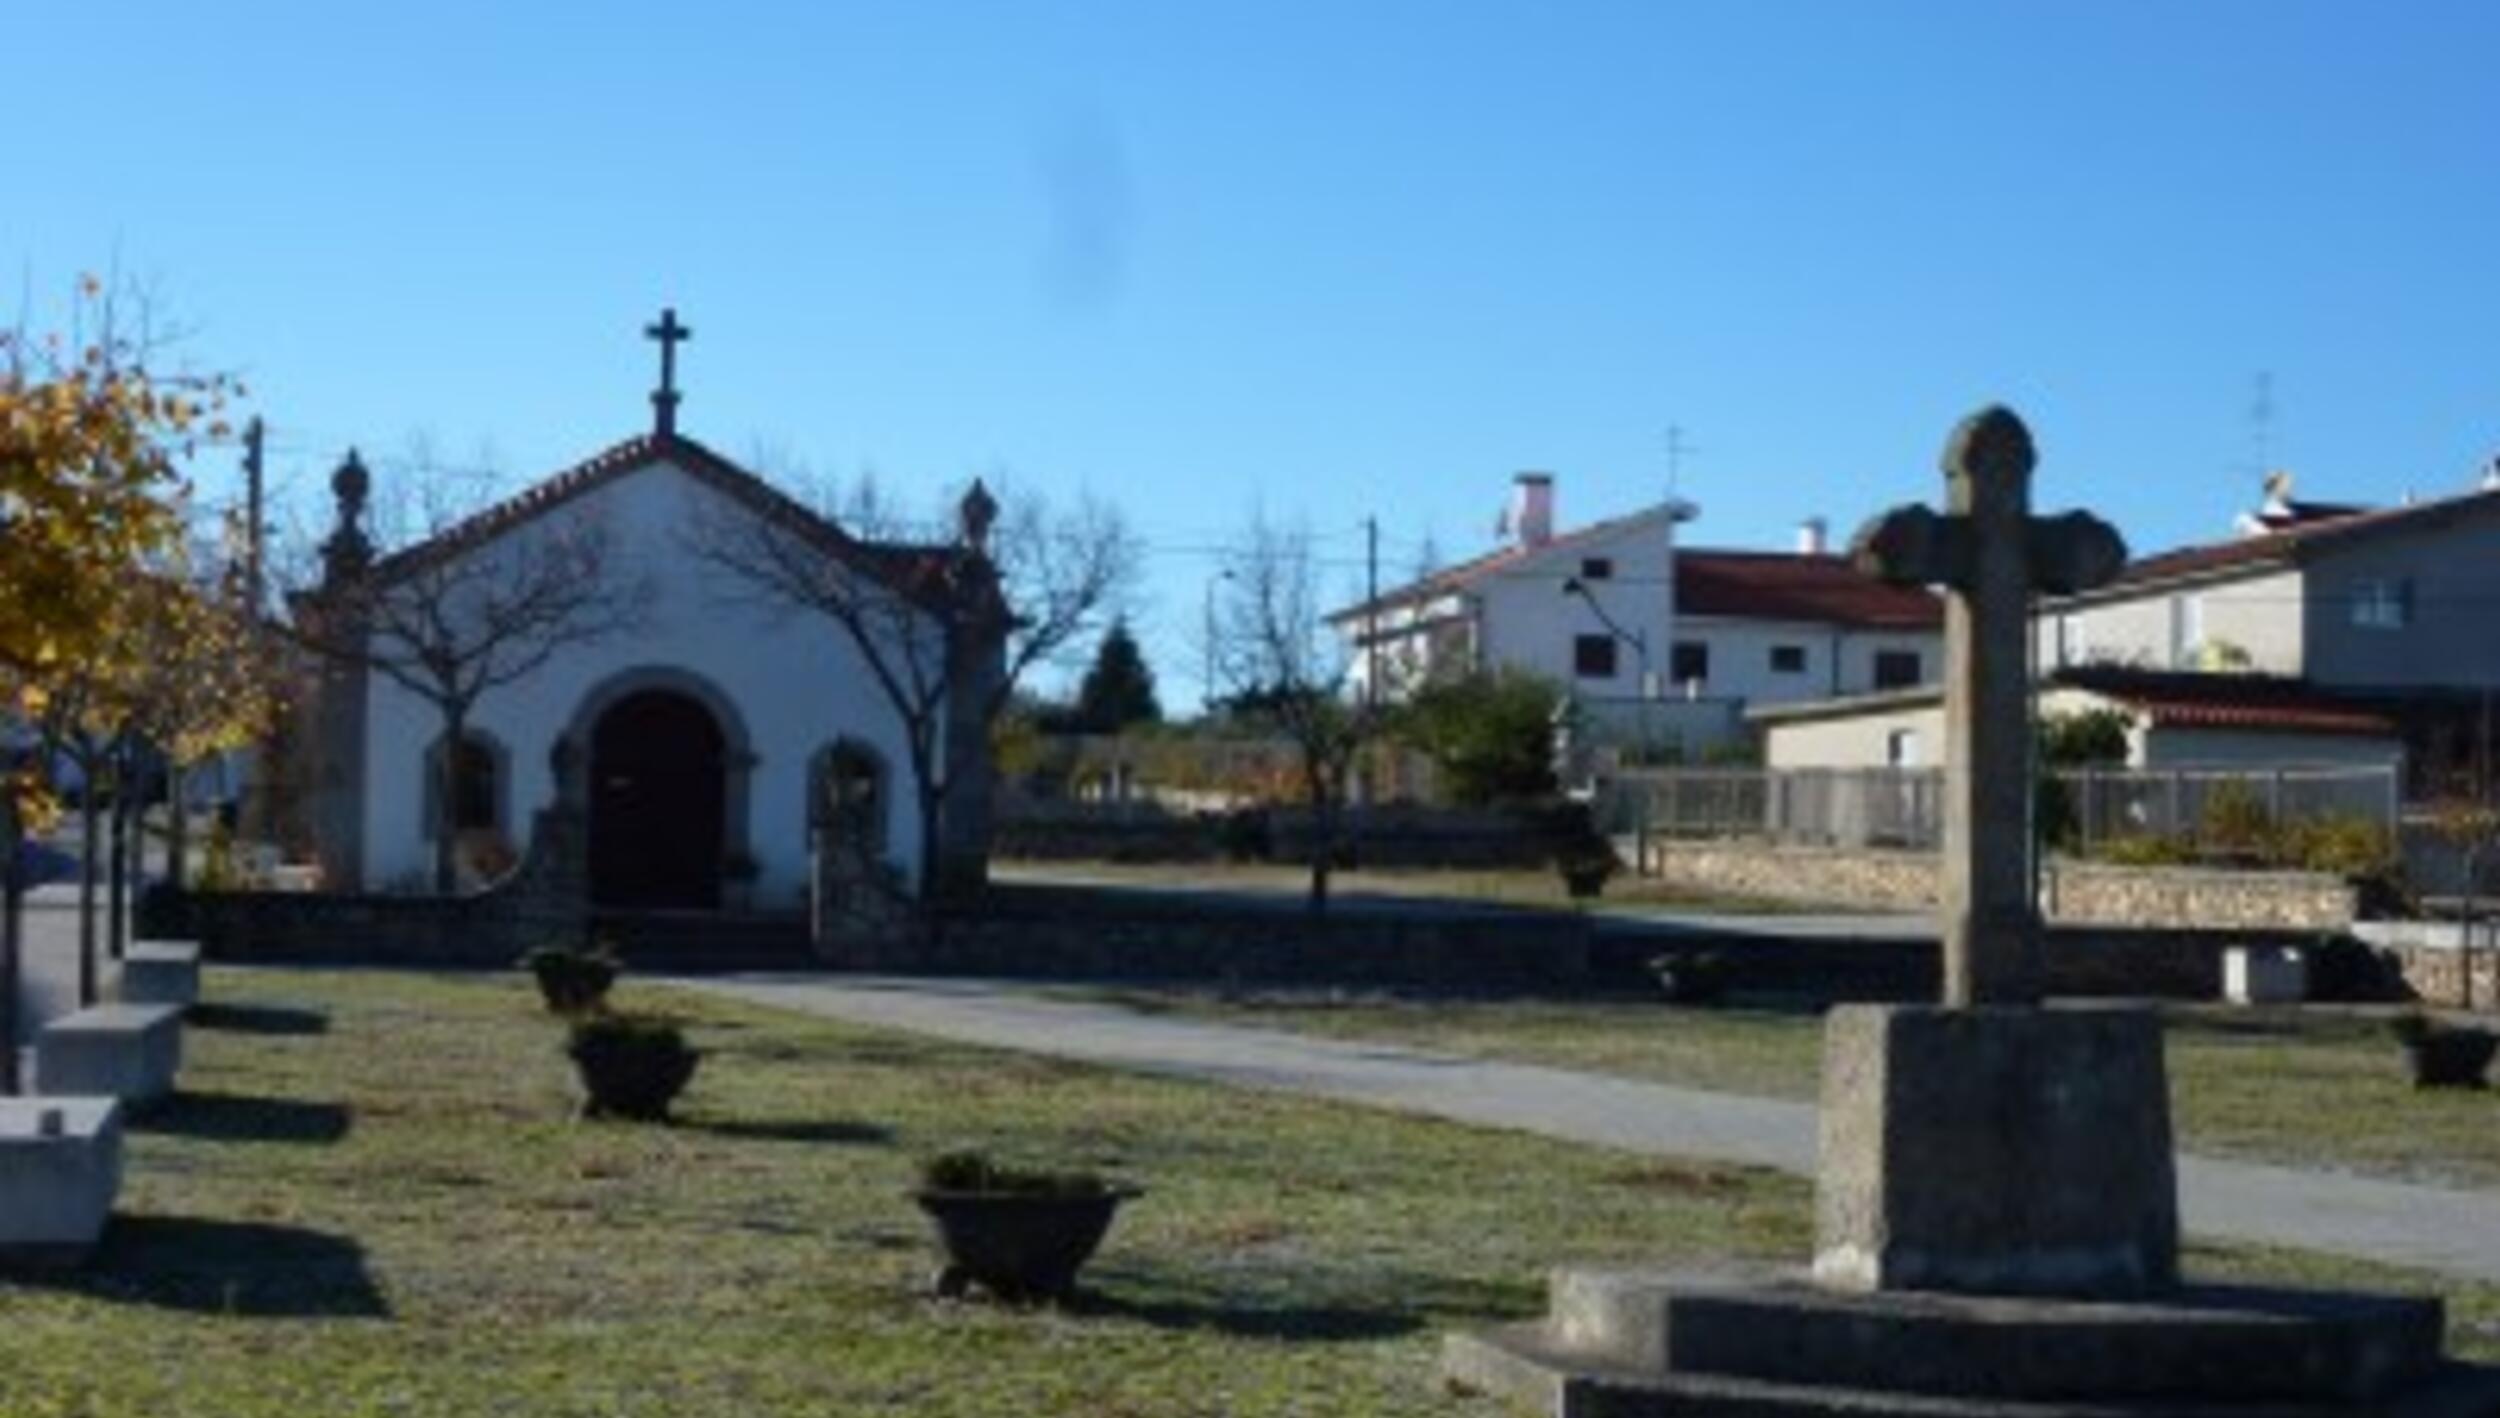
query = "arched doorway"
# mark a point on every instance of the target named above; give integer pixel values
(658, 802)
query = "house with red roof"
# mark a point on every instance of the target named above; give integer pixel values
(1647, 636)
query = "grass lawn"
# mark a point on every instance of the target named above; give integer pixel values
(2309, 1088)
(1502, 887)
(372, 1200)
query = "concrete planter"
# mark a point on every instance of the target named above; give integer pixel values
(60, 1168)
(125, 1051)
(1019, 1246)
(2265, 975)
(161, 972)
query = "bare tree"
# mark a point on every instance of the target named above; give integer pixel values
(946, 628)
(471, 608)
(1277, 654)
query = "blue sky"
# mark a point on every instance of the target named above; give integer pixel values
(1333, 259)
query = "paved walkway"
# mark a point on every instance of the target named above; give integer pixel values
(2431, 1228)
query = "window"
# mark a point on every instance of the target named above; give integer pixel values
(1788, 659)
(1689, 663)
(849, 800)
(1593, 656)
(476, 787)
(2382, 603)
(1597, 568)
(1897, 669)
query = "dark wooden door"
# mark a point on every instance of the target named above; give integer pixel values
(658, 803)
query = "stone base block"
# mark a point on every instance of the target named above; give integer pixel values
(2254, 974)
(161, 972)
(60, 1168)
(1637, 1342)
(1996, 1150)
(125, 1051)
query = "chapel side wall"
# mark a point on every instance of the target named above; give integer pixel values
(796, 681)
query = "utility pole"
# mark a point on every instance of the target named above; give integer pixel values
(251, 811)
(1371, 651)
(254, 568)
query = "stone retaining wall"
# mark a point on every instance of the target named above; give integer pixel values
(2082, 892)
(2431, 958)
(1088, 933)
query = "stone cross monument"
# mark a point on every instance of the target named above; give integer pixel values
(1996, 1210)
(1990, 554)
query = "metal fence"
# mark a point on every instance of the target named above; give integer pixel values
(2207, 809)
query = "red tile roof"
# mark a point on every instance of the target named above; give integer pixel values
(2302, 538)
(1769, 585)
(919, 571)
(2184, 699)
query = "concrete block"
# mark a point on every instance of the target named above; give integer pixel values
(60, 1168)
(161, 972)
(1996, 1150)
(125, 1051)
(2254, 974)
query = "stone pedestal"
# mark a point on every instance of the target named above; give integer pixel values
(1997, 1233)
(161, 972)
(125, 1051)
(1995, 1150)
(60, 1168)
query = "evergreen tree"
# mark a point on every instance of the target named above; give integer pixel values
(1119, 690)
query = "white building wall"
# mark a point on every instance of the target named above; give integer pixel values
(2168, 627)
(1528, 621)
(796, 681)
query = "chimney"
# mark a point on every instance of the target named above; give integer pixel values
(1532, 509)
(1813, 537)
(2491, 476)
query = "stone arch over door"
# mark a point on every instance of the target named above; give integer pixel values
(670, 763)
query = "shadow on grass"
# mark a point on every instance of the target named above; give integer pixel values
(1382, 1307)
(277, 1019)
(831, 1130)
(225, 1267)
(234, 1117)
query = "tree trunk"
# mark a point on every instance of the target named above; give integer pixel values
(90, 842)
(117, 896)
(177, 825)
(446, 787)
(12, 934)
(1323, 841)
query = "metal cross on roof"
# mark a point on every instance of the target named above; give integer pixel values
(1990, 554)
(664, 399)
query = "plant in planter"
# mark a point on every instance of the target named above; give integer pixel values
(1585, 867)
(631, 1065)
(2445, 1056)
(1691, 976)
(572, 979)
(1022, 1233)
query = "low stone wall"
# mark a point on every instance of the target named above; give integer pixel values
(543, 900)
(2432, 960)
(1091, 933)
(2081, 892)
(1393, 836)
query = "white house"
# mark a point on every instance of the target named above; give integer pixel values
(1585, 608)
(1650, 638)
(713, 732)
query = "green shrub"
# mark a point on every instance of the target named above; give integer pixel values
(1490, 734)
(2236, 822)
(571, 979)
(2148, 849)
(975, 1172)
(631, 1065)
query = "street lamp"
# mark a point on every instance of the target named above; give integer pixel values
(1574, 586)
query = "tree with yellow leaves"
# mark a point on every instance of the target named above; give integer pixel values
(88, 438)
